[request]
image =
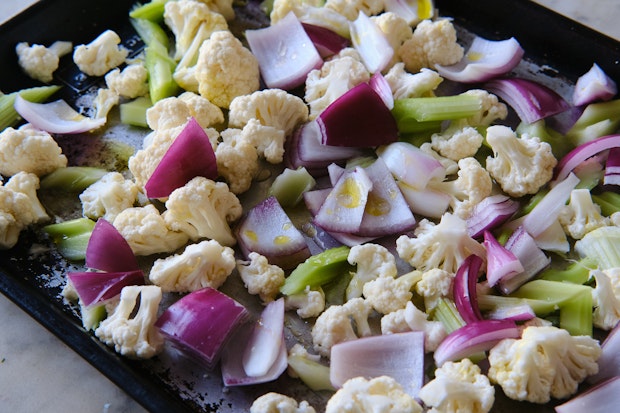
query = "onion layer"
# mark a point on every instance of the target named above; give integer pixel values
(107, 250)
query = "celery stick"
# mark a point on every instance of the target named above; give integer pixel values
(290, 185)
(71, 237)
(153, 10)
(150, 32)
(576, 314)
(134, 112)
(317, 270)
(72, 178)
(436, 108)
(577, 272)
(8, 115)
(314, 374)
(602, 245)
(92, 316)
(608, 201)
(488, 302)
(160, 67)
(598, 119)
(446, 312)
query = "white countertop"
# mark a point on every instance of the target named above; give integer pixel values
(39, 373)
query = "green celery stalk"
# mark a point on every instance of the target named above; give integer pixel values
(436, 108)
(290, 185)
(153, 10)
(598, 119)
(134, 112)
(150, 32)
(577, 272)
(446, 312)
(601, 245)
(488, 302)
(314, 374)
(576, 314)
(160, 68)
(72, 178)
(8, 114)
(71, 237)
(608, 201)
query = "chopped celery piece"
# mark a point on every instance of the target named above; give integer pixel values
(531, 204)
(71, 237)
(8, 114)
(412, 126)
(317, 270)
(336, 290)
(446, 312)
(578, 272)
(488, 302)
(290, 185)
(150, 32)
(134, 112)
(72, 178)
(560, 145)
(598, 119)
(314, 374)
(160, 68)
(436, 108)
(153, 10)
(576, 314)
(602, 245)
(92, 316)
(608, 201)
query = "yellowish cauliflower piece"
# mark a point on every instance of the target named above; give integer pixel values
(435, 284)
(146, 231)
(28, 183)
(492, 109)
(458, 387)
(237, 159)
(606, 303)
(372, 261)
(130, 83)
(458, 144)
(226, 69)
(545, 362)
(520, 166)
(351, 8)
(433, 43)
(381, 394)
(311, 12)
(29, 150)
(308, 303)
(175, 111)
(40, 62)
(396, 30)
(100, 55)
(581, 215)
(411, 85)
(224, 7)
(278, 403)
(15, 214)
(387, 294)
(103, 103)
(260, 277)
(411, 318)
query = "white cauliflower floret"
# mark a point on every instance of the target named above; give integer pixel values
(451, 167)
(336, 325)
(146, 231)
(100, 55)
(29, 150)
(103, 103)
(130, 83)
(581, 215)
(472, 186)
(373, 261)
(387, 294)
(435, 284)
(260, 277)
(396, 30)
(411, 318)
(444, 245)
(237, 160)
(614, 276)
(411, 85)
(134, 335)
(271, 107)
(203, 208)
(381, 394)
(40, 62)
(492, 109)
(175, 111)
(606, 303)
(278, 403)
(226, 69)
(206, 264)
(308, 303)
(28, 183)
(15, 214)
(332, 80)
(519, 165)
(107, 197)
(351, 8)
(458, 387)
(311, 12)
(268, 141)
(457, 144)
(545, 362)
(433, 43)
(224, 7)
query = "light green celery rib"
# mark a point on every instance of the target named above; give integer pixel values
(436, 108)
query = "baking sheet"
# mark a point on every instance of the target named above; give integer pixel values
(31, 274)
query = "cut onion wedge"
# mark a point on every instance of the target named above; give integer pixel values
(413, 11)
(501, 263)
(400, 356)
(326, 41)
(358, 118)
(265, 342)
(582, 152)
(411, 165)
(602, 398)
(285, 53)
(609, 360)
(201, 323)
(380, 85)
(55, 117)
(490, 213)
(464, 289)
(531, 100)
(108, 251)
(484, 60)
(371, 43)
(97, 287)
(593, 86)
(189, 156)
(612, 167)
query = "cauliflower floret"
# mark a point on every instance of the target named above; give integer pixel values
(146, 231)
(458, 144)
(17, 210)
(546, 362)
(27, 183)
(271, 107)
(29, 150)
(492, 109)
(433, 43)
(411, 85)
(40, 62)
(129, 83)
(268, 141)
(103, 103)
(309, 303)
(458, 387)
(278, 403)
(224, 7)
(237, 160)
(381, 394)
(260, 277)
(444, 245)
(435, 284)
(134, 335)
(335, 325)
(581, 215)
(107, 197)
(614, 277)
(351, 8)
(606, 303)
(311, 12)
(206, 264)
(373, 261)
(387, 294)
(100, 55)
(411, 318)
(203, 208)
(396, 30)
(333, 79)
(451, 167)
(472, 186)
(175, 111)
(226, 69)
(519, 165)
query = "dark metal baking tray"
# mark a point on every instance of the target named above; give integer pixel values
(30, 273)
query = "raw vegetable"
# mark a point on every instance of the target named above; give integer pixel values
(95, 288)
(55, 117)
(72, 178)
(71, 237)
(594, 85)
(8, 114)
(108, 251)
